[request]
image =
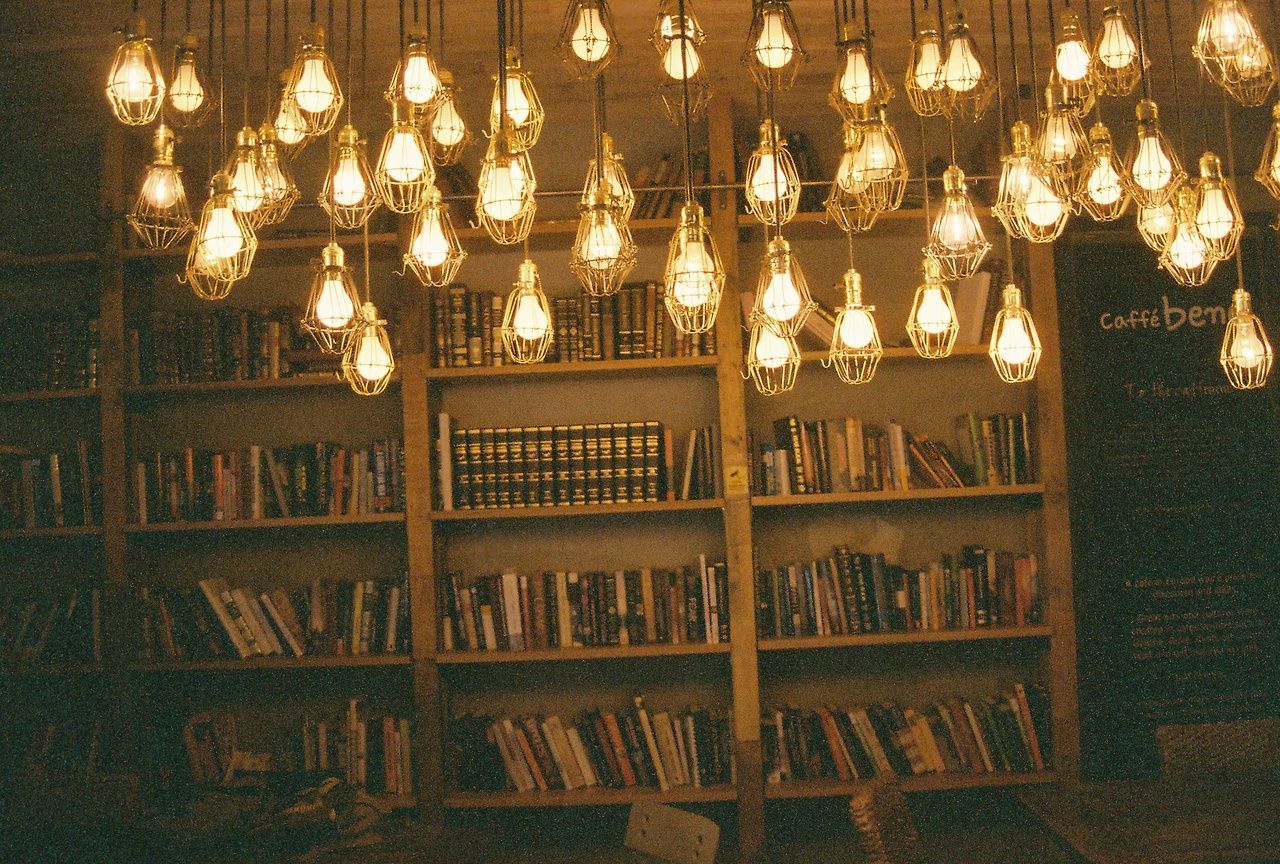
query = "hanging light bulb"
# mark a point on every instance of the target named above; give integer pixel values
(279, 191)
(873, 169)
(160, 216)
(526, 320)
(1246, 354)
(621, 198)
(968, 84)
(506, 186)
(313, 85)
(773, 191)
(1061, 145)
(1015, 180)
(404, 172)
(1153, 172)
(368, 364)
(773, 54)
(135, 84)
(1189, 257)
(860, 83)
(1118, 68)
(603, 253)
(188, 102)
(772, 361)
(1268, 173)
(694, 276)
(1233, 53)
(1155, 224)
(1218, 216)
(1071, 56)
(1225, 28)
(677, 41)
(1015, 344)
(524, 109)
(783, 301)
(333, 308)
(1101, 191)
(416, 79)
(290, 126)
(447, 134)
(855, 350)
(1043, 213)
(246, 177)
(434, 254)
(924, 81)
(588, 41)
(223, 246)
(931, 323)
(956, 240)
(349, 193)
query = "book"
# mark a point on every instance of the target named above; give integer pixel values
(58, 352)
(51, 490)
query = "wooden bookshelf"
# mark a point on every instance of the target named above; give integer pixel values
(577, 369)
(49, 395)
(923, 783)
(265, 524)
(918, 637)
(818, 499)
(50, 670)
(359, 661)
(593, 797)
(51, 532)
(255, 385)
(556, 655)
(628, 508)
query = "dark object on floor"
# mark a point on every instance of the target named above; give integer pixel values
(885, 830)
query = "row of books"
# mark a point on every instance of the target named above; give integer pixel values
(659, 182)
(531, 466)
(49, 353)
(566, 609)
(65, 628)
(854, 592)
(49, 748)
(213, 345)
(329, 617)
(1005, 732)
(1001, 447)
(51, 490)
(266, 483)
(611, 749)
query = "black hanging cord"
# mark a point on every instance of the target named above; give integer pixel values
(915, 29)
(364, 46)
(266, 63)
(502, 70)
(1143, 48)
(1231, 172)
(400, 20)
(135, 7)
(866, 31)
(222, 76)
(1173, 76)
(924, 174)
(838, 17)
(1088, 23)
(520, 25)
(1031, 50)
(427, 18)
(597, 122)
(285, 34)
(313, 11)
(1013, 61)
(440, 27)
(684, 85)
(186, 18)
(209, 77)
(995, 68)
(164, 20)
(1053, 25)
(244, 89)
(349, 62)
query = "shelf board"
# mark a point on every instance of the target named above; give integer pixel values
(64, 531)
(1025, 490)
(593, 797)
(625, 652)
(579, 369)
(49, 395)
(259, 663)
(905, 213)
(569, 227)
(253, 385)
(51, 669)
(264, 524)
(921, 637)
(570, 510)
(8, 259)
(922, 783)
(900, 353)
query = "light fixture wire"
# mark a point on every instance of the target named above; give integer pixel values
(1140, 22)
(1173, 74)
(684, 87)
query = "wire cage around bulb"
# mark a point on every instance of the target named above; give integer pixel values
(1233, 53)
(1268, 172)
(333, 316)
(773, 54)
(1117, 62)
(923, 83)
(1100, 189)
(404, 170)
(222, 247)
(415, 82)
(1061, 145)
(279, 191)
(588, 41)
(247, 188)
(445, 130)
(931, 321)
(1188, 256)
(850, 212)
(783, 301)
(621, 198)
(527, 327)
(434, 253)
(135, 82)
(677, 41)
(773, 184)
(968, 84)
(773, 361)
(1015, 344)
(856, 349)
(505, 203)
(368, 364)
(525, 115)
(956, 239)
(1246, 354)
(1041, 214)
(1155, 225)
(1078, 96)
(1015, 175)
(603, 253)
(189, 99)
(313, 85)
(349, 193)
(860, 84)
(1218, 214)
(160, 215)
(289, 125)
(873, 168)
(1152, 170)
(694, 276)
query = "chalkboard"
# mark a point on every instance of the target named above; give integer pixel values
(1173, 480)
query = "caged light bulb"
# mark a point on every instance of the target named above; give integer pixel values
(857, 329)
(928, 72)
(447, 127)
(1071, 55)
(348, 188)
(429, 245)
(1014, 345)
(334, 309)
(603, 242)
(955, 228)
(418, 80)
(314, 92)
(405, 162)
(774, 48)
(856, 85)
(781, 301)
(187, 93)
(1058, 140)
(504, 194)
(769, 182)
(1041, 204)
(934, 313)
(1214, 217)
(677, 67)
(876, 158)
(590, 40)
(162, 188)
(694, 278)
(1156, 221)
(1188, 249)
(1152, 169)
(1104, 182)
(771, 350)
(291, 129)
(222, 237)
(372, 358)
(1227, 27)
(1246, 350)
(1116, 48)
(530, 321)
(132, 79)
(135, 84)
(962, 71)
(518, 108)
(247, 190)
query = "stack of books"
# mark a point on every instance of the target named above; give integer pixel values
(608, 749)
(42, 353)
(215, 345)
(66, 628)
(327, 618)
(532, 466)
(854, 592)
(1000, 447)
(51, 490)
(518, 612)
(266, 483)
(1007, 732)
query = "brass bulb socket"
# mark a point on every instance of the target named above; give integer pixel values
(768, 134)
(853, 291)
(135, 28)
(1210, 167)
(1187, 203)
(1012, 296)
(527, 277)
(513, 58)
(1241, 302)
(332, 257)
(370, 314)
(163, 141)
(348, 136)
(932, 270)
(691, 215)
(953, 181)
(1020, 136)
(1146, 111)
(246, 137)
(779, 247)
(267, 134)
(189, 44)
(1099, 134)
(220, 184)
(433, 198)
(445, 77)
(1070, 27)
(313, 37)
